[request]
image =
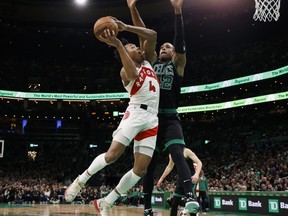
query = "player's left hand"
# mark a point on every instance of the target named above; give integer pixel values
(131, 3)
(159, 183)
(195, 179)
(177, 4)
(121, 25)
(109, 38)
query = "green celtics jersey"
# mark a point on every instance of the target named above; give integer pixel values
(170, 84)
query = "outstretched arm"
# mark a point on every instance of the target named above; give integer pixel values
(136, 19)
(188, 153)
(166, 172)
(179, 40)
(149, 35)
(129, 71)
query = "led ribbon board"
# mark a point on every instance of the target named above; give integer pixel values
(186, 109)
(235, 103)
(123, 95)
(62, 96)
(236, 81)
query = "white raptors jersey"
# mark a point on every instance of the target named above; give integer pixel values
(145, 89)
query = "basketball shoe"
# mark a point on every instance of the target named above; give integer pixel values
(191, 205)
(73, 190)
(149, 212)
(185, 212)
(102, 207)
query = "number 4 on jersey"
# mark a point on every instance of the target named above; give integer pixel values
(151, 87)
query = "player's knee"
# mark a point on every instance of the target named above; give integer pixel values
(141, 172)
(111, 156)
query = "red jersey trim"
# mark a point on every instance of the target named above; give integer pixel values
(138, 83)
(147, 133)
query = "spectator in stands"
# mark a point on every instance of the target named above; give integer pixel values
(202, 187)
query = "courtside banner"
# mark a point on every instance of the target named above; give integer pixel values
(158, 199)
(262, 204)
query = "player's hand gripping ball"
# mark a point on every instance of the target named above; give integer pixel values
(104, 23)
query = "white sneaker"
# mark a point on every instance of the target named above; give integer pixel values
(192, 205)
(102, 207)
(73, 190)
(185, 212)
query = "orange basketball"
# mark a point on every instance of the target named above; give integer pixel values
(104, 23)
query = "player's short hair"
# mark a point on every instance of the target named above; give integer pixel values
(116, 53)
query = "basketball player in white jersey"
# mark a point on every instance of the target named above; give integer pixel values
(140, 121)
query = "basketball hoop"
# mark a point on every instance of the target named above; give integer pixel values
(267, 10)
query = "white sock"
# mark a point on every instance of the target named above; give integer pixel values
(111, 197)
(126, 182)
(98, 164)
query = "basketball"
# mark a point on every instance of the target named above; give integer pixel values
(104, 23)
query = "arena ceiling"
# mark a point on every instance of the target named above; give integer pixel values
(68, 11)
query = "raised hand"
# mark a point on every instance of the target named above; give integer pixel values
(177, 4)
(109, 38)
(131, 3)
(121, 26)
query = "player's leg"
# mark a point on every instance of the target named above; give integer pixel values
(183, 170)
(114, 152)
(147, 147)
(174, 141)
(202, 194)
(148, 184)
(119, 143)
(177, 197)
(184, 174)
(141, 162)
(176, 147)
(176, 200)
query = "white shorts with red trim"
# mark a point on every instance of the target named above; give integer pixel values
(140, 125)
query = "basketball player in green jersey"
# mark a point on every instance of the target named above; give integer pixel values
(195, 165)
(169, 68)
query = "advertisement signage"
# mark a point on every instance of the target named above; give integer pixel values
(263, 205)
(157, 199)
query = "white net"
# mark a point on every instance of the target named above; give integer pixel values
(267, 10)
